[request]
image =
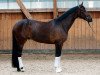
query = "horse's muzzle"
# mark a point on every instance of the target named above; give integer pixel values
(89, 18)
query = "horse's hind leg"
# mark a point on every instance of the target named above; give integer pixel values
(21, 66)
(57, 63)
(18, 44)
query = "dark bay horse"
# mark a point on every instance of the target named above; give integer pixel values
(52, 32)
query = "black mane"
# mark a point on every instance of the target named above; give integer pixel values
(67, 13)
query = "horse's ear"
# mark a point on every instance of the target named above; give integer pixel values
(81, 4)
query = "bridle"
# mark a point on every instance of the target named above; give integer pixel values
(88, 22)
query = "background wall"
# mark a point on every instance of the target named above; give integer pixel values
(80, 35)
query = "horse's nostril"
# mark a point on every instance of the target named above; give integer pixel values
(90, 19)
(87, 17)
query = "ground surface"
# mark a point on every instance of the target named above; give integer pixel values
(77, 64)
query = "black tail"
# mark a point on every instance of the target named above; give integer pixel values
(16, 51)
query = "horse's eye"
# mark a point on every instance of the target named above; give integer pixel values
(83, 10)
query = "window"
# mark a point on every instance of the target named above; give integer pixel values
(35, 4)
(71, 3)
(8, 4)
(66, 3)
(41, 4)
(11, 4)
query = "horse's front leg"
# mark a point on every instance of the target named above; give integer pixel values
(57, 63)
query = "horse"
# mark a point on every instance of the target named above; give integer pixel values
(54, 32)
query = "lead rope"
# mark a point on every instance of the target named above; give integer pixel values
(92, 29)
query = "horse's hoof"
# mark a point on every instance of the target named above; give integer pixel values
(58, 69)
(21, 69)
(18, 69)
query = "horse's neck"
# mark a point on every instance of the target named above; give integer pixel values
(68, 21)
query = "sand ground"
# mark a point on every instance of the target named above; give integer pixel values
(42, 64)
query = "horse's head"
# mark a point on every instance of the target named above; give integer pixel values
(82, 13)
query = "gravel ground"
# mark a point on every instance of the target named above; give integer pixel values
(39, 64)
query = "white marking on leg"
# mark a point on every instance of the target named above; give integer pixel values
(20, 62)
(21, 66)
(57, 64)
(57, 61)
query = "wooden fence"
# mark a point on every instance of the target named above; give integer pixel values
(80, 35)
